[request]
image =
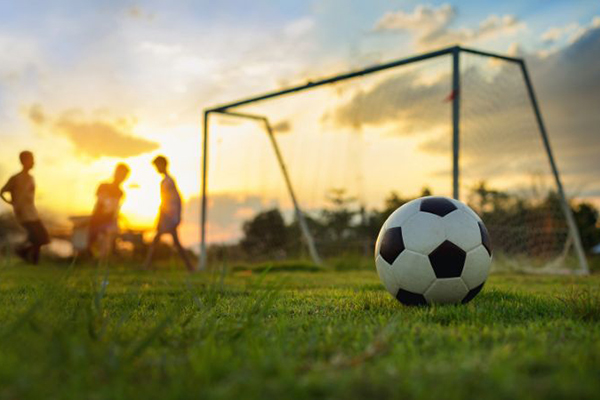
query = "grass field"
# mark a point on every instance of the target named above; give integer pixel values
(93, 333)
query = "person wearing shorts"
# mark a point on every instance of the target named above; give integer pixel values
(104, 220)
(170, 213)
(21, 188)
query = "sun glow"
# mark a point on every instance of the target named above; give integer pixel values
(142, 197)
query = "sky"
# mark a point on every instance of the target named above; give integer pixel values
(86, 85)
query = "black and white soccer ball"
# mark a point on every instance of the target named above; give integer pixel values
(433, 250)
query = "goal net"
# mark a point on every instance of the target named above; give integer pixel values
(313, 173)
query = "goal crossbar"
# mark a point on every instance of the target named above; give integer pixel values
(354, 74)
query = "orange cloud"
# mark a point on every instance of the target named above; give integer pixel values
(36, 114)
(136, 12)
(94, 138)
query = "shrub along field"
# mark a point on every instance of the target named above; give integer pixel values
(289, 333)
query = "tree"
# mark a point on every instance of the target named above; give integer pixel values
(391, 203)
(586, 216)
(485, 200)
(338, 217)
(426, 192)
(296, 244)
(265, 235)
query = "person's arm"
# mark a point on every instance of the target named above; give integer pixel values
(7, 188)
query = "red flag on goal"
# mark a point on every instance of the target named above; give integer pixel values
(451, 96)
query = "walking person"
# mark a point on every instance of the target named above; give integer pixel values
(170, 214)
(104, 226)
(21, 188)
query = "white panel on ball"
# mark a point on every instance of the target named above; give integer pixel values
(423, 232)
(477, 267)
(403, 213)
(413, 271)
(384, 270)
(449, 290)
(470, 211)
(462, 230)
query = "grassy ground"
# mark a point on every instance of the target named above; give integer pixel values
(87, 333)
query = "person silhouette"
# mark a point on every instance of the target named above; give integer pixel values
(21, 188)
(169, 215)
(104, 220)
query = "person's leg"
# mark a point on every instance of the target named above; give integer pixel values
(39, 238)
(181, 250)
(34, 254)
(108, 241)
(23, 250)
(106, 244)
(29, 249)
(151, 250)
(92, 237)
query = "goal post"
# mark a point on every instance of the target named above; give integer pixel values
(486, 95)
(574, 230)
(455, 96)
(314, 255)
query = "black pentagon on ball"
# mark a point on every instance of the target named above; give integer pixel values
(485, 238)
(410, 299)
(437, 205)
(472, 293)
(447, 260)
(392, 244)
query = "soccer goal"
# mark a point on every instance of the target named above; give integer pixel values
(313, 170)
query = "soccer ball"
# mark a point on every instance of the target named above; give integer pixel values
(433, 250)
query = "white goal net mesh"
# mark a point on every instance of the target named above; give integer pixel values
(357, 149)
(506, 174)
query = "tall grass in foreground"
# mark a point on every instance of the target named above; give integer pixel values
(295, 334)
(584, 303)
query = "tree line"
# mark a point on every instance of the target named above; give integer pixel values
(518, 224)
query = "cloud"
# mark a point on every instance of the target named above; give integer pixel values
(412, 107)
(568, 83)
(427, 21)
(19, 60)
(226, 214)
(136, 12)
(93, 138)
(430, 26)
(555, 38)
(554, 34)
(499, 136)
(103, 139)
(36, 114)
(400, 98)
(299, 28)
(161, 49)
